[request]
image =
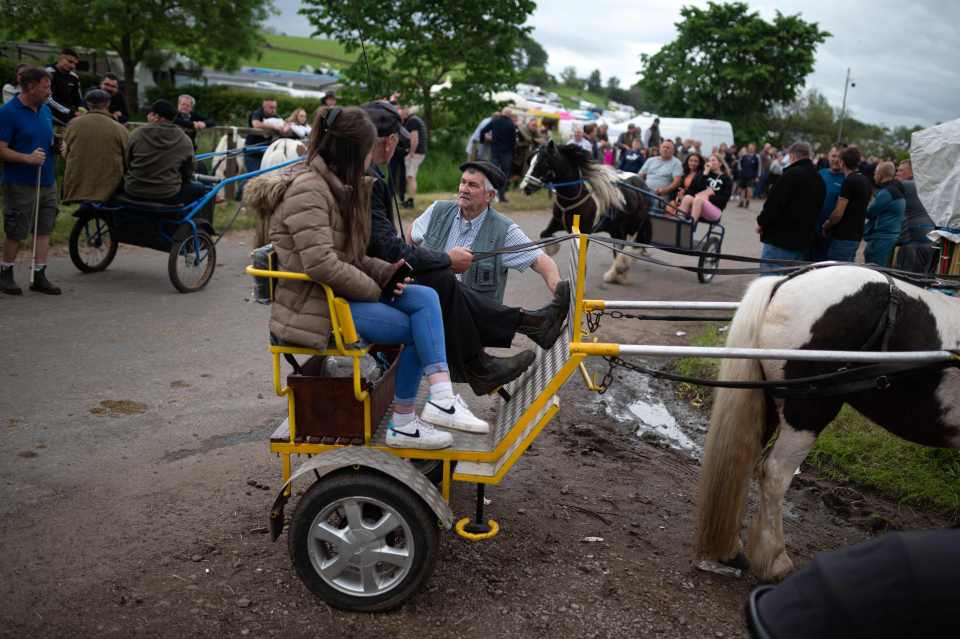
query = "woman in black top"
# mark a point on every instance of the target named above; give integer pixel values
(709, 192)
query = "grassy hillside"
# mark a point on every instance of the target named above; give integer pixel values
(290, 52)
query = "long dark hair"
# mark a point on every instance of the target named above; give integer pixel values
(343, 137)
(686, 163)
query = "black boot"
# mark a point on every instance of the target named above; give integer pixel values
(42, 285)
(545, 325)
(7, 285)
(487, 373)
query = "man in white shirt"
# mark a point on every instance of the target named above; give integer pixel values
(663, 173)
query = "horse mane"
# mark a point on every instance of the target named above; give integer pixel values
(603, 179)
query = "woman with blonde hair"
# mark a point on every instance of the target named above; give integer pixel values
(321, 226)
(298, 124)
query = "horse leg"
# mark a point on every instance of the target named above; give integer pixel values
(765, 546)
(556, 224)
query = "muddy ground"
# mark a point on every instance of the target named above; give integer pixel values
(136, 484)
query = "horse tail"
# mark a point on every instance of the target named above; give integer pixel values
(734, 440)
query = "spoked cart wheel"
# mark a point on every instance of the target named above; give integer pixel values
(362, 541)
(93, 244)
(708, 264)
(191, 264)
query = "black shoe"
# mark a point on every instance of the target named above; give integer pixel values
(545, 325)
(487, 373)
(407, 204)
(7, 285)
(42, 285)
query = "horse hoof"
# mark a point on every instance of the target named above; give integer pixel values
(551, 249)
(612, 277)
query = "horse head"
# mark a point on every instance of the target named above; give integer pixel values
(547, 165)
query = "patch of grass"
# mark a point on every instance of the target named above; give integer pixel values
(703, 367)
(571, 97)
(855, 450)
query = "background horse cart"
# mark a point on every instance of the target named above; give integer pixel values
(185, 232)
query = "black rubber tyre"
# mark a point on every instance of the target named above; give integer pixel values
(432, 469)
(93, 244)
(707, 267)
(320, 529)
(187, 273)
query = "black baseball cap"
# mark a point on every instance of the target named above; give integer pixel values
(164, 109)
(386, 118)
(493, 172)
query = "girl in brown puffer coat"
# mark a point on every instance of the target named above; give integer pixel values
(321, 226)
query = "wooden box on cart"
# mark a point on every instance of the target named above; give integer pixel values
(326, 409)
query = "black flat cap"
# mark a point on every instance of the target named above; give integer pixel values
(493, 173)
(386, 118)
(164, 109)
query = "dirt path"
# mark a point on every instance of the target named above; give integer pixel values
(133, 428)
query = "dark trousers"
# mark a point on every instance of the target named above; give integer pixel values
(471, 321)
(191, 192)
(504, 160)
(398, 175)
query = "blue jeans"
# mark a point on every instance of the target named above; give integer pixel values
(879, 249)
(774, 252)
(843, 250)
(414, 320)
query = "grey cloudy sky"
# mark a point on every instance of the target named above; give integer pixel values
(903, 56)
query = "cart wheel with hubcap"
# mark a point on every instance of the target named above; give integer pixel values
(93, 244)
(191, 265)
(362, 541)
(707, 267)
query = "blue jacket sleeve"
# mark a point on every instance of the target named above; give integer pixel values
(880, 202)
(387, 245)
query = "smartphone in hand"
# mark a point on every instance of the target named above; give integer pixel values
(402, 273)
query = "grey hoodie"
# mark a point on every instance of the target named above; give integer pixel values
(159, 160)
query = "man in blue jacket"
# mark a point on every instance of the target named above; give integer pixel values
(884, 216)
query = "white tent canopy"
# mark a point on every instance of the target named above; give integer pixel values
(935, 155)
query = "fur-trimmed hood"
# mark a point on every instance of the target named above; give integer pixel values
(263, 193)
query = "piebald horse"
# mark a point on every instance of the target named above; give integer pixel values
(834, 308)
(591, 190)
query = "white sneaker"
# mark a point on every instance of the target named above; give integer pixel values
(417, 434)
(457, 416)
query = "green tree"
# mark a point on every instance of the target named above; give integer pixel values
(443, 54)
(569, 77)
(729, 63)
(595, 82)
(613, 83)
(530, 54)
(210, 32)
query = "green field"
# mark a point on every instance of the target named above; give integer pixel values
(291, 52)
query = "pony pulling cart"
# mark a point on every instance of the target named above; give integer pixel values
(364, 534)
(618, 204)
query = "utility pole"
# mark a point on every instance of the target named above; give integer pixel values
(843, 108)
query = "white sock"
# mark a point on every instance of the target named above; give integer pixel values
(39, 267)
(6, 264)
(441, 393)
(402, 419)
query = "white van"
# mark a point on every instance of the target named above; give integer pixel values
(711, 133)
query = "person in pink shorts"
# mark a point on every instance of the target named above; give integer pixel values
(709, 191)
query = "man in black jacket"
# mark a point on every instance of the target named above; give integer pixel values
(788, 220)
(504, 140)
(65, 98)
(472, 321)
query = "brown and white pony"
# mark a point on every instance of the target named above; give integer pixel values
(835, 308)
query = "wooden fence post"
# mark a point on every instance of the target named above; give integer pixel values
(231, 168)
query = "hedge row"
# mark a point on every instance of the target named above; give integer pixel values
(230, 106)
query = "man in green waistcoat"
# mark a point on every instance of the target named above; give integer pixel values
(471, 222)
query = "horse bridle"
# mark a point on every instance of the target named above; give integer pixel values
(555, 186)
